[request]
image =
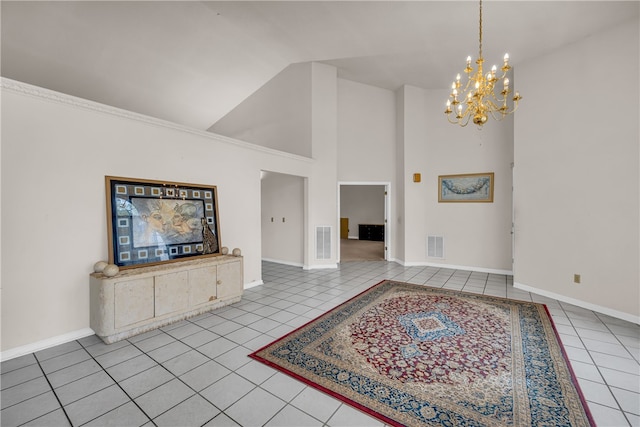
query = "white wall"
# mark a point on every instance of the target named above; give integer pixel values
(367, 143)
(366, 133)
(397, 217)
(282, 209)
(56, 151)
(299, 108)
(577, 180)
(432, 147)
(322, 192)
(278, 115)
(362, 204)
(469, 228)
(414, 151)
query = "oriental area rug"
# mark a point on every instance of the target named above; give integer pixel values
(413, 355)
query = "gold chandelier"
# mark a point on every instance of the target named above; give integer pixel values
(478, 99)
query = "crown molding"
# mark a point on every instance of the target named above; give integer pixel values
(85, 104)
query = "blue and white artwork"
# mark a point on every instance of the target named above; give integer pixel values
(477, 187)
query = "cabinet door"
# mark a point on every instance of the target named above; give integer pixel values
(133, 301)
(202, 285)
(229, 279)
(171, 292)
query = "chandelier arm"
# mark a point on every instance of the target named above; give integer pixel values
(503, 113)
(491, 106)
(500, 99)
(466, 87)
(495, 109)
(499, 118)
(507, 111)
(460, 121)
(515, 107)
(464, 123)
(455, 122)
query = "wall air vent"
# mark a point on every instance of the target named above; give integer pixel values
(323, 242)
(435, 246)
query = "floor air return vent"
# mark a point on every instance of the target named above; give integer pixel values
(435, 246)
(323, 242)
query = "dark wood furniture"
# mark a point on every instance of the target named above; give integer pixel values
(371, 232)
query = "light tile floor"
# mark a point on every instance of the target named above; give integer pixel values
(196, 372)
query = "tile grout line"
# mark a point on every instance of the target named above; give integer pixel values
(173, 375)
(617, 339)
(221, 411)
(606, 383)
(116, 383)
(46, 377)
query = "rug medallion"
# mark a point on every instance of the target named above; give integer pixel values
(414, 355)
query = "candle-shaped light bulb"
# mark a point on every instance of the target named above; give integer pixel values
(468, 61)
(455, 92)
(506, 83)
(448, 103)
(493, 70)
(506, 57)
(458, 77)
(460, 109)
(453, 85)
(477, 85)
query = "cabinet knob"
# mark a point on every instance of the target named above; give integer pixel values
(219, 282)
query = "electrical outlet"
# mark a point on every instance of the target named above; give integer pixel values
(576, 278)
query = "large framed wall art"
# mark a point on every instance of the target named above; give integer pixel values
(473, 187)
(152, 222)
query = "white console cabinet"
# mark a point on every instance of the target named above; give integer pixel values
(140, 299)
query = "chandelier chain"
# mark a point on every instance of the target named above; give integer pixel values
(480, 31)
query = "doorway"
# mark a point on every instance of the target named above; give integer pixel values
(282, 218)
(363, 212)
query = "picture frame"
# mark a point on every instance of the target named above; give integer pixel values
(152, 222)
(466, 188)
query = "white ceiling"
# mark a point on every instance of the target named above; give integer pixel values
(191, 62)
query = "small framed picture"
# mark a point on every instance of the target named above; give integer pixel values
(473, 187)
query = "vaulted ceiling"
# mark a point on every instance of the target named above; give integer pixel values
(191, 62)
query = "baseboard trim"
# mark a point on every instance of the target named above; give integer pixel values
(253, 284)
(583, 304)
(304, 266)
(44, 344)
(279, 261)
(455, 267)
(319, 267)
